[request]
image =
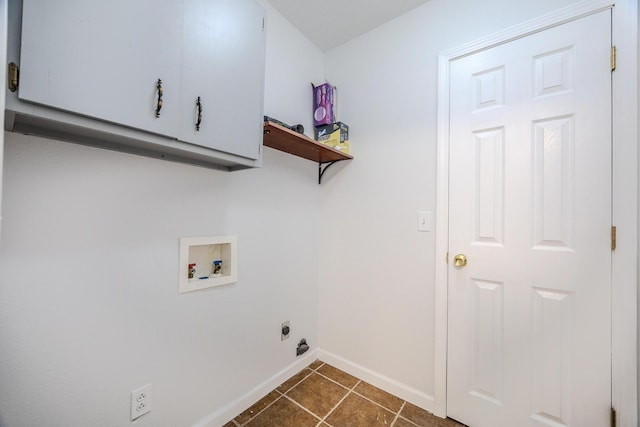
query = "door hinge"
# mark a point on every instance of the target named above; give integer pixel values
(614, 238)
(13, 76)
(613, 417)
(263, 24)
(613, 58)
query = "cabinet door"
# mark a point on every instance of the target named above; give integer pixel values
(103, 59)
(223, 64)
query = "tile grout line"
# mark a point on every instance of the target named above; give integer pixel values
(353, 390)
(404, 402)
(407, 421)
(316, 370)
(381, 405)
(395, 414)
(262, 410)
(281, 395)
(349, 391)
(302, 407)
(336, 382)
(287, 397)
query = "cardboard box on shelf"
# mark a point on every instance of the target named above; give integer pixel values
(335, 135)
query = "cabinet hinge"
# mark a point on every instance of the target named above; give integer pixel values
(13, 76)
(613, 417)
(613, 58)
(614, 236)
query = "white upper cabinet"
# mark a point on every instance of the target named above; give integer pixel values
(223, 67)
(104, 59)
(127, 75)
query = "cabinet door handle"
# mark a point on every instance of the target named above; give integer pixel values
(199, 120)
(159, 105)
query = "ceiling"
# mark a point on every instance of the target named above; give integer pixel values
(330, 23)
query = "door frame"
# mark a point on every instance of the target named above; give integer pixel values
(3, 78)
(624, 192)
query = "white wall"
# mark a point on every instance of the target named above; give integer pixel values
(88, 260)
(377, 272)
(89, 308)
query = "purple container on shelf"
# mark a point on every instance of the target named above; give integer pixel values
(324, 97)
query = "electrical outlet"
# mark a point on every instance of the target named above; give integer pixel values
(284, 330)
(140, 401)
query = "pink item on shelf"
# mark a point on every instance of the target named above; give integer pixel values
(324, 97)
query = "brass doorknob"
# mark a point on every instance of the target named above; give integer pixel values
(459, 260)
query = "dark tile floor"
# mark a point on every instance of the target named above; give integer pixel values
(323, 396)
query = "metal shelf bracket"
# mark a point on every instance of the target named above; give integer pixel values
(322, 170)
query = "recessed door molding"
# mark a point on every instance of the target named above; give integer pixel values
(625, 196)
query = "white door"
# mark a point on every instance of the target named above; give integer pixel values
(529, 316)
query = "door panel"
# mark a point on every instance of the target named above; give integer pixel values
(530, 206)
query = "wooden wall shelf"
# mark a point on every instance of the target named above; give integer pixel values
(283, 139)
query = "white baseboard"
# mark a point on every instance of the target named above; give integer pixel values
(418, 398)
(231, 410)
